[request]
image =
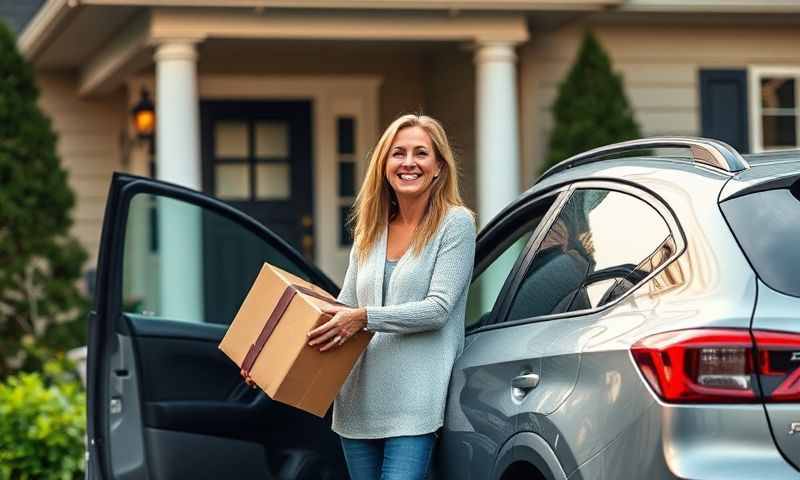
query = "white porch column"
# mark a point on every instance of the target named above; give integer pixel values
(177, 127)
(178, 161)
(498, 168)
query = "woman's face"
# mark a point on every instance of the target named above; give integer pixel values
(412, 163)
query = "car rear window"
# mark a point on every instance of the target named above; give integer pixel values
(767, 225)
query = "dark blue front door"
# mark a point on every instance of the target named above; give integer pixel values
(257, 157)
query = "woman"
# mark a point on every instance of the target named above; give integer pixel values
(407, 281)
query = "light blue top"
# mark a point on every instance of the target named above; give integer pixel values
(399, 385)
(387, 274)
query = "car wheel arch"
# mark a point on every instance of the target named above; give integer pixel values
(527, 451)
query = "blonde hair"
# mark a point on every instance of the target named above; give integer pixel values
(376, 204)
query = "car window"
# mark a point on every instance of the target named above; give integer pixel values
(601, 296)
(183, 262)
(602, 244)
(767, 225)
(499, 258)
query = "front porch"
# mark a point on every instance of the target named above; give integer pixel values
(354, 71)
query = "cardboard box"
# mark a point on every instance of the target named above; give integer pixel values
(280, 360)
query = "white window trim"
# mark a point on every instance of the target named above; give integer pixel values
(754, 75)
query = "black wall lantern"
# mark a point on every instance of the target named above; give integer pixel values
(144, 116)
(144, 124)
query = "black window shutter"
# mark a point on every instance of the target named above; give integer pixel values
(724, 107)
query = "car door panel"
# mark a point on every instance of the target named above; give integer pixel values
(538, 348)
(169, 364)
(128, 458)
(203, 456)
(175, 396)
(583, 402)
(174, 405)
(559, 366)
(481, 406)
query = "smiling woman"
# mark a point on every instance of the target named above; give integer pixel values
(407, 281)
(412, 165)
(411, 168)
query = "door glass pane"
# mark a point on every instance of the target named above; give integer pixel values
(272, 139)
(347, 179)
(777, 93)
(273, 181)
(346, 135)
(199, 269)
(230, 139)
(486, 287)
(501, 257)
(596, 244)
(232, 181)
(779, 131)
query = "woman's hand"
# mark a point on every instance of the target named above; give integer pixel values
(345, 323)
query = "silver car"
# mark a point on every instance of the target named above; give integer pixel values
(635, 314)
(646, 323)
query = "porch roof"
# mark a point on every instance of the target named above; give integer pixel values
(106, 40)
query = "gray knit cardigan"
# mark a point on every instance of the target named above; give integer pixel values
(399, 385)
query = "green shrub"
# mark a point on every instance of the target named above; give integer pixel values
(591, 109)
(40, 262)
(42, 425)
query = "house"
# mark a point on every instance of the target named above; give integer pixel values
(273, 105)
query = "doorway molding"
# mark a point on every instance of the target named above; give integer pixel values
(331, 96)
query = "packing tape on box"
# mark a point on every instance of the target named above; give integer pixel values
(275, 317)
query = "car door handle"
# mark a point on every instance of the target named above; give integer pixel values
(526, 381)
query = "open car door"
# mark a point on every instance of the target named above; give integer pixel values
(163, 401)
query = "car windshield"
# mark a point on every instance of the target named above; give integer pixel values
(767, 225)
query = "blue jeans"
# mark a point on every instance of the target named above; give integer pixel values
(395, 458)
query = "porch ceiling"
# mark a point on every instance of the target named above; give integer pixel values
(75, 37)
(104, 43)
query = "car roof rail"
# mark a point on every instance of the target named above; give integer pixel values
(703, 150)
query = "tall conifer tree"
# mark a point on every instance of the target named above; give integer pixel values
(40, 263)
(591, 109)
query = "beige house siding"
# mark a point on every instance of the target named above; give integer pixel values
(660, 65)
(88, 145)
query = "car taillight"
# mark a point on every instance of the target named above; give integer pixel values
(721, 366)
(699, 366)
(778, 365)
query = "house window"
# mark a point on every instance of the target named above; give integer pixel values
(346, 153)
(774, 100)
